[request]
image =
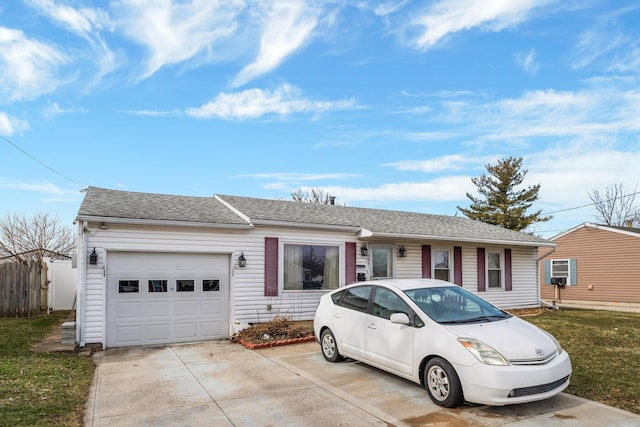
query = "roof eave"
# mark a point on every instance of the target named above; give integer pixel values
(367, 234)
(165, 223)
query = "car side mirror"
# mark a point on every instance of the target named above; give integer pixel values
(400, 318)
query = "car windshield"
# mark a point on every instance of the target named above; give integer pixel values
(455, 305)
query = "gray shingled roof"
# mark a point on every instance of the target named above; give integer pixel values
(378, 221)
(103, 203)
(124, 205)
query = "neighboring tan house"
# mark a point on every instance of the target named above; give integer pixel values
(599, 263)
(158, 268)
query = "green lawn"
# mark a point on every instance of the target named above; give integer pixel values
(40, 389)
(605, 353)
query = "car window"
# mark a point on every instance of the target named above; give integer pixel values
(455, 305)
(357, 298)
(336, 297)
(386, 302)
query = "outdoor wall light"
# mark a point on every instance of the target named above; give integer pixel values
(402, 252)
(103, 226)
(364, 251)
(93, 257)
(242, 261)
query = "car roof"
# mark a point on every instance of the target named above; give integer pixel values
(406, 284)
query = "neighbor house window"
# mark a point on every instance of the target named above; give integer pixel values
(494, 270)
(311, 267)
(381, 261)
(441, 269)
(560, 269)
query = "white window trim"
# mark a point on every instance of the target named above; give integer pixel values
(333, 243)
(569, 275)
(433, 260)
(486, 269)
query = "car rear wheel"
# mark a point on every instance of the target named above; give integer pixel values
(442, 383)
(329, 346)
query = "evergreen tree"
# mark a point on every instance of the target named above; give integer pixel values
(502, 203)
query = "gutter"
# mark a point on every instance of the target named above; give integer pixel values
(364, 234)
(306, 225)
(172, 223)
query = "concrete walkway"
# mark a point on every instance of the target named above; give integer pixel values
(218, 383)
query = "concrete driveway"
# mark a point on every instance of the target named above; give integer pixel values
(218, 383)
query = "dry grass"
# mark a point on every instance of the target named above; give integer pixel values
(279, 328)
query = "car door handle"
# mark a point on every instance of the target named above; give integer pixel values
(336, 315)
(372, 326)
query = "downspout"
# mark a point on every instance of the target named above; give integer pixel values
(83, 286)
(542, 302)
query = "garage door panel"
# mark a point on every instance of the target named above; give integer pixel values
(158, 312)
(158, 309)
(129, 310)
(185, 330)
(159, 332)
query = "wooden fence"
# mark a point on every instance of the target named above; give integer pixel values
(21, 289)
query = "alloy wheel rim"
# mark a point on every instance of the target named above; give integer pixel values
(328, 346)
(438, 383)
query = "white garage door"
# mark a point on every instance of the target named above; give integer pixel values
(157, 298)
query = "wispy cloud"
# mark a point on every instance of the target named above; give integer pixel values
(283, 101)
(286, 26)
(451, 16)
(86, 23)
(527, 61)
(46, 188)
(454, 162)
(10, 125)
(54, 109)
(174, 32)
(28, 68)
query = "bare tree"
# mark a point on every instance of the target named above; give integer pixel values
(34, 238)
(616, 206)
(316, 196)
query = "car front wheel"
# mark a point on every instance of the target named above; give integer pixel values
(442, 383)
(329, 346)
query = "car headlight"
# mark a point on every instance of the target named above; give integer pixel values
(555, 341)
(483, 352)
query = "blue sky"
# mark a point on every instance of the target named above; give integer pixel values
(392, 105)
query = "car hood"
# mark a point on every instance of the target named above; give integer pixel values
(513, 338)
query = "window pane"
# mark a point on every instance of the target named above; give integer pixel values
(185, 285)
(493, 260)
(385, 303)
(494, 279)
(441, 274)
(357, 298)
(157, 286)
(311, 267)
(128, 286)
(381, 260)
(441, 259)
(209, 285)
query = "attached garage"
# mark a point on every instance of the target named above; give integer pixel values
(158, 298)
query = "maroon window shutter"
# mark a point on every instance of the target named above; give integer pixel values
(270, 266)
(482, 285)
(457, 265)
(426, 261)
(508, 281)
(350, 262)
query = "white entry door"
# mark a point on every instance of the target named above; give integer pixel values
(159, 298)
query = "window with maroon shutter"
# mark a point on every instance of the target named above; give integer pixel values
(508, 274)
(482, 286)
(426, 261)
(457, 265)
(350, 262)
(271, 266)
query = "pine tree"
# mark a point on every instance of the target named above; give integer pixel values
(502, 204)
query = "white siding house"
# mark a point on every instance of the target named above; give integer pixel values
(159, 268)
